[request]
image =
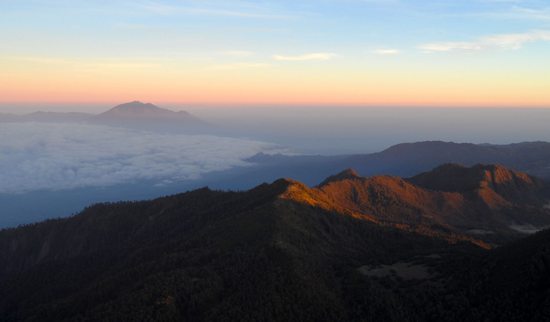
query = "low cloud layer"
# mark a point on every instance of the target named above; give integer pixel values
(36, 156)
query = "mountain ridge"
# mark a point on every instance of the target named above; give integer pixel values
(135, 114)
(400, 203)
(280, 251)
(346, 174)
(406, 160)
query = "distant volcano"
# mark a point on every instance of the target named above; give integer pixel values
(137, 115)
(138, 109)
(149, 116)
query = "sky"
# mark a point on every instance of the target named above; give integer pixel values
(443, 53)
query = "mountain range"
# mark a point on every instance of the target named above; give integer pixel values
(408, 159)
(352, 248)
(40, 116)
(405, 160)
(481, 203)
(138, 115)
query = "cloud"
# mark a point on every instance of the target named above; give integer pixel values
(502, 41)
(83, 65)
(530, 13)
(517, 12)
(160, 8)
(502, 1)
(386, 52)
(236, 66)
(39, 156)
(306, 57)
(450, 46)
(382, 2)
(238, 53)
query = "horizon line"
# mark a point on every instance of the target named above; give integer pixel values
(272, 105)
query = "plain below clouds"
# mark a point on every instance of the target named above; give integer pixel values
(37, 156)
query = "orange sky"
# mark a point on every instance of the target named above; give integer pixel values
(483, 53)
(85, 82)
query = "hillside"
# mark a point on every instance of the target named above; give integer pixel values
(279, 252)
(487, 204)
(203, 255)
(510, 283)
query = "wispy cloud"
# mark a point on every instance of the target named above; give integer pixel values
(501, 41)
(503, 1)
(450, 46)
(382, 2)
(236, 66)
(306, 57)
(238, 53)
(515, 12)
(530, 13)
(386, 52)
(38, 59)
(88, 65)
(160, 8)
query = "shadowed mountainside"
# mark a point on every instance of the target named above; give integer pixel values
(202, 255)
(280, 252)
(511, 283)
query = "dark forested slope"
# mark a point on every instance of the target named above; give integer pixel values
(279, 252)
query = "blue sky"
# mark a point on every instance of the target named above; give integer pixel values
(378, 37)
(268, 25)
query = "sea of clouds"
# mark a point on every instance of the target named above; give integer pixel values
(40, 156)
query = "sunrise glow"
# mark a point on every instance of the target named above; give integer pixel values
(387, 53)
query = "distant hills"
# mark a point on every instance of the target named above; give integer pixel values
(530, 157)
(134, 114)
(409, 159)
(404, 160)
(51, 117)
(353, 248)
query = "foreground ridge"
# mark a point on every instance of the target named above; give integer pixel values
(353, 248)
